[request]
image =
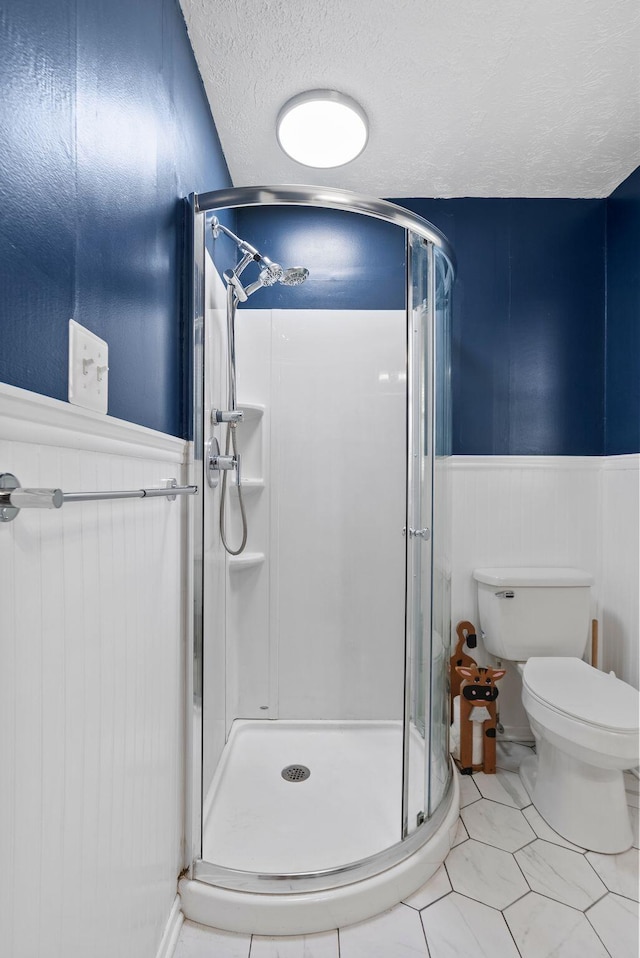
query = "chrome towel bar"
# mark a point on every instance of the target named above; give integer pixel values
(13, 498)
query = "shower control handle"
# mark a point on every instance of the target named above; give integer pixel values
(217, 464)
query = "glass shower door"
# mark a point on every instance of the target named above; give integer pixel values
(417, 734)
(428, 617)
(440, 765)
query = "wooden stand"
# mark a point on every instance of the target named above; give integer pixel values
(461, 661)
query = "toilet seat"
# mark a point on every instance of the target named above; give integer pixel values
(594, 714)
(586, 725)
(580, 692)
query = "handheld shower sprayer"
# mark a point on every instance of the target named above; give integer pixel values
(231, 279)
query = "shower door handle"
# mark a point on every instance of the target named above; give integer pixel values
(420, 534)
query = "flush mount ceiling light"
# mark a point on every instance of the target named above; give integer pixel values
(322, 128)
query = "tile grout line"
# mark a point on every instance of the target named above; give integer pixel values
(499, 848)
(492, 907)
(619, 894)
(593, 904)
(537, 838)
(521, 872)
(504, 918)
(424, 930)
(424, 907)
(581, 911)
(529, 891)
(601, 879)
(591, 925)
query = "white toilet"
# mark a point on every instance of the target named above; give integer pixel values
(585, 722)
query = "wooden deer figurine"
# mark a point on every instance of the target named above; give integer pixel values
(478, 694)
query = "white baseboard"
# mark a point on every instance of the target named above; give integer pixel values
(500, 463)
(172, 930)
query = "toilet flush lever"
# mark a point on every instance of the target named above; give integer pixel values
(505, 595)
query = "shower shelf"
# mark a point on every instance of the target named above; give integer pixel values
(246, 560)
(251, 410)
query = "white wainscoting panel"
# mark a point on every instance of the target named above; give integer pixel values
(621, 566)
(91, 704)
(522, 511)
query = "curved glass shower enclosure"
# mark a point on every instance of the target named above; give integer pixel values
(322, 790)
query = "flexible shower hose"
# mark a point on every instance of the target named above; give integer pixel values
(231, 439)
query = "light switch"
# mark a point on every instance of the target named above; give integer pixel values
(88, 368)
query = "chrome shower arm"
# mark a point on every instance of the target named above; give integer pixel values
(217, 227)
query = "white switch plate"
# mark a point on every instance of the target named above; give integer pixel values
(88, 368)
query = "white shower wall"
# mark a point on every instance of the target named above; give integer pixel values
(326, 608)
(91, 688)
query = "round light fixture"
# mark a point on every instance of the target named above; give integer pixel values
(322, 128)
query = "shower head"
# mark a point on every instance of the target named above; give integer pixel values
(268, 276)
(294, 276)
(272, 272)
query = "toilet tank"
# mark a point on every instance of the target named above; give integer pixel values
(533, 611)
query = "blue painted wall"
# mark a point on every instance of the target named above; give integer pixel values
(528, 351)
(622, 392)
(354, 261)
(105, 127)
(527, 323)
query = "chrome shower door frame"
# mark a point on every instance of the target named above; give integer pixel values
(194, 545)
(195, 867)
(419, 527)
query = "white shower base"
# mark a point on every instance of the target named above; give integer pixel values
(347, 810)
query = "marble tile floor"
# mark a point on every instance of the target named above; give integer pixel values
(510, 888)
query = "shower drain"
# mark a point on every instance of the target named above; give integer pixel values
(295, 773)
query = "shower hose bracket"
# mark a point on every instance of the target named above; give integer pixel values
(226, 415)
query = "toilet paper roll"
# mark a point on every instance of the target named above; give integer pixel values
(454, 740)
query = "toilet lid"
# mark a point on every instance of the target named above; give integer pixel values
(576, 689)
(535, 577)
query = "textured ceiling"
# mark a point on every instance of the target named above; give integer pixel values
(464, 98)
